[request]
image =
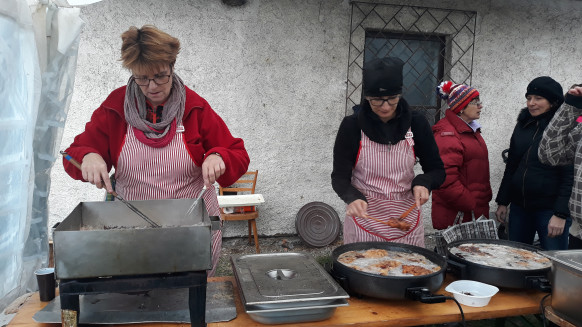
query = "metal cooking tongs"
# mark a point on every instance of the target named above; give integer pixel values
(117, 196)
(191, 209)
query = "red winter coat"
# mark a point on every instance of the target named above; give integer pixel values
(466, 187)
(204, 133)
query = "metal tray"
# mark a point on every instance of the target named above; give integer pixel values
(566, 279)
(106, 238)
(295, 314)
(277, 280)
(281, 288)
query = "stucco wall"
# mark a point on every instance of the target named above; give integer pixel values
(275, 71)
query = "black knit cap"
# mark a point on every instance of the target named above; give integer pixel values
(383, 76)
(548, 88)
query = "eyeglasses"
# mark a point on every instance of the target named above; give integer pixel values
(158, 79)
(392, 100)
(476, 102)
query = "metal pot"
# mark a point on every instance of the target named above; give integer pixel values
(566, 277)
(86, 246)
(385, 287)
(500, 277)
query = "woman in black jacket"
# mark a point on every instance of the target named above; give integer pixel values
(374, 156)
(538, 193)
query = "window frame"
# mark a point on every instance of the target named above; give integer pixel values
(442, 41)
(456, 29)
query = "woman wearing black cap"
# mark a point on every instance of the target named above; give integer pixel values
(374, 156)
(538, 193)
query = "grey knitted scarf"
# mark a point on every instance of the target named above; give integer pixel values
(135, 109)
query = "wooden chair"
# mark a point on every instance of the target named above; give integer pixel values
(244, 185)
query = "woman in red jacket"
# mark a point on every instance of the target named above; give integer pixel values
(463, 151)
(163, 139)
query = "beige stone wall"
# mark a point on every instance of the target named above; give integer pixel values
(275, 70)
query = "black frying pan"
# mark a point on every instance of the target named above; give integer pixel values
(385, 287)
(500, 277)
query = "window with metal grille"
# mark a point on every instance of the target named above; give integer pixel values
(435, 44)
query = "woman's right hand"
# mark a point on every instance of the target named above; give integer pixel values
(501, 214)
(94, 171)
(357, 208)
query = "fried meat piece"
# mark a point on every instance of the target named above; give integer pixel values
(385, 266)
(529, 255)
(375, 253)
(472, 249)
(417, 270)
(349, 257)
(399, 224)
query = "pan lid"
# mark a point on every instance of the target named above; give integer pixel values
(317, 224)
(284, 278)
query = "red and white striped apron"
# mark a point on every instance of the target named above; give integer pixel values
(384, 173)
(147, 173)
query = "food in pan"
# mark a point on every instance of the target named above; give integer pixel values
(501, 256)
(388, 263)
(416, 270)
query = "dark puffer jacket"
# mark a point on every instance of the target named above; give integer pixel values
(527, 182)
(466, 160)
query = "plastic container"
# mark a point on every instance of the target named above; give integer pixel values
(472, 293)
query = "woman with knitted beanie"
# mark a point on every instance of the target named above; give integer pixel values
(374, 156)
(538, 192)
(464, 153)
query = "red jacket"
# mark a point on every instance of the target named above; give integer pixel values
(205, 133)
(466, 187)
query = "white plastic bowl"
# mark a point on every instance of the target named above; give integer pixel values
(472, 293)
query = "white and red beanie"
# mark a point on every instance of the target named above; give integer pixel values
(458, 96)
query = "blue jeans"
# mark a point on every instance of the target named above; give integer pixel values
(523, 225)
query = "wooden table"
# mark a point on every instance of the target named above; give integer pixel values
(363, 312)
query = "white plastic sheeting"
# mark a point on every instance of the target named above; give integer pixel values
(38, 54)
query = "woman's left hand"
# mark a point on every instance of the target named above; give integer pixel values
(556, 226)
(421, 195)
(212, 168)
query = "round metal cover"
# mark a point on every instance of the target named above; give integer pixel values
(317, 224)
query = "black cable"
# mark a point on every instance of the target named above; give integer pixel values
(460, 309)
(542, 309)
